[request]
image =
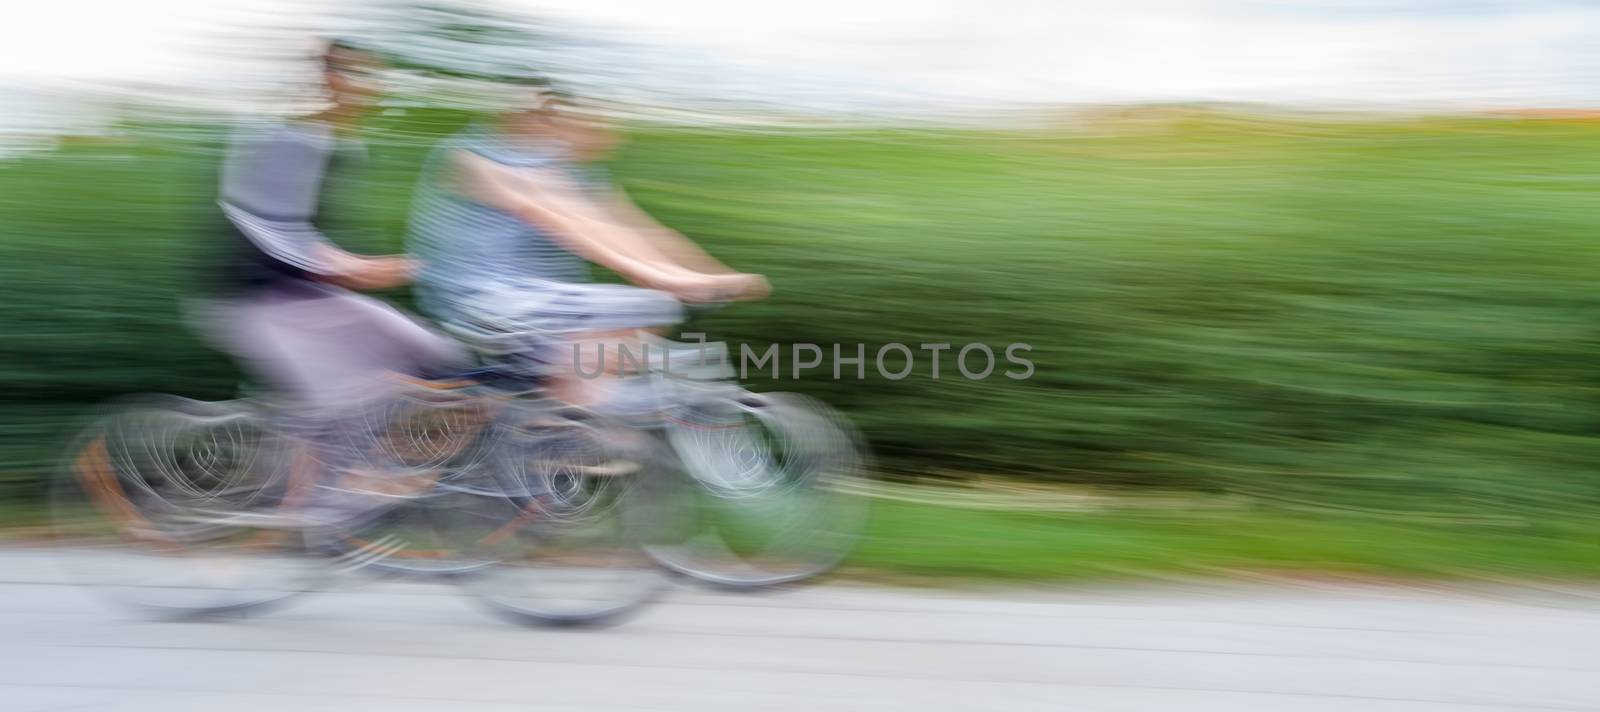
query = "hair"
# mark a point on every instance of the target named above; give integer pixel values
(547, 91)
(527, 79)
(333, 47)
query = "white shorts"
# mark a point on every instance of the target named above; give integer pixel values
(564, 308)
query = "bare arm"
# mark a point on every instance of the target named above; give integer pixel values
(358, 272)
(670, 243)
(548, 200)
(269, 191)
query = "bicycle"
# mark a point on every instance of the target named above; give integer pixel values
(183, 508)
(747, 490)
(521, 498)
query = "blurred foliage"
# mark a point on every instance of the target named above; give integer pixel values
(1392, 316)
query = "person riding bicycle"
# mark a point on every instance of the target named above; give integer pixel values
(510, 214)
(282, 302)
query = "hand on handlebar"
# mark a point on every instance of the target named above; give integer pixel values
(709, 288)
(378, 272)
(744, 286)
(713, 288)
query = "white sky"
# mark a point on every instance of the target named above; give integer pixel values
(1465, 51)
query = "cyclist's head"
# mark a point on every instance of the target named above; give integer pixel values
(551, 114)
(542, 112)
(349, 72)
(529, 99)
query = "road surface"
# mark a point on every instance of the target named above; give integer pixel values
(421, 646)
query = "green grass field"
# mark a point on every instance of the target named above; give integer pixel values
(1386, 321)
(908, 542)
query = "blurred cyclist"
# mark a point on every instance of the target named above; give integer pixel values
(507, 221)
(282, 302)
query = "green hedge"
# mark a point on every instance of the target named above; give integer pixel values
(1390, 316)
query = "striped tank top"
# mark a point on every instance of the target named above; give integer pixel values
(467, 247)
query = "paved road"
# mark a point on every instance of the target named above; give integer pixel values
(415, 646)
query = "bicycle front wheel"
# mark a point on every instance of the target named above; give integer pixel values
(771, 492)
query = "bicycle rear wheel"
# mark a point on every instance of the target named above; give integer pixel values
(141, 507)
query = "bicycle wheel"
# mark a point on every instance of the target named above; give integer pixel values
(565, 528)
(770, 492)
(143, 501)
(427, 440)
(422, 428)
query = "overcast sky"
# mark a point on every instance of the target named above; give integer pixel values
(1482, 52)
